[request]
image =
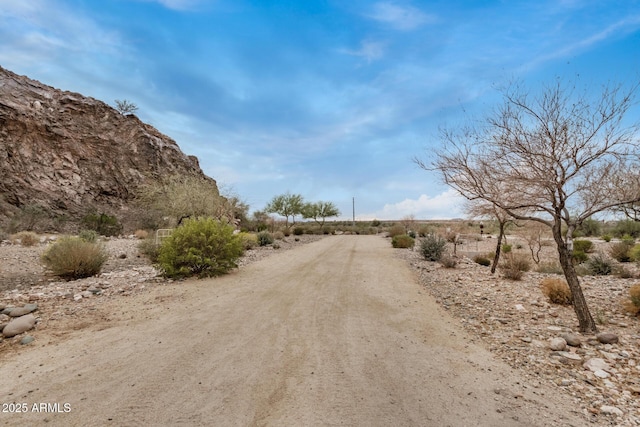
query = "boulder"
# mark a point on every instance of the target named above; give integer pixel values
(19, 325)
(572, 339)
(607, 338)
(557, 344)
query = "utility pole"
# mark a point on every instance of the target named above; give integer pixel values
(353, 202)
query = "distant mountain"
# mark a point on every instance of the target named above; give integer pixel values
(69, 154)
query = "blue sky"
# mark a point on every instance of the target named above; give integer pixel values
(329, 99)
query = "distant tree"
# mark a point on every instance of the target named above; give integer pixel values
(320, 211)
(481, 208)
(557, 159)
(286, 205)
(125, 107)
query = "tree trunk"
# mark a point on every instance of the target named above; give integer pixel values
(585, 320)
(496, 258)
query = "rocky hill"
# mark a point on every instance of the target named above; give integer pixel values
(68, 153)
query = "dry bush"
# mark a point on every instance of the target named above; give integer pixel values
(551, 267)
(514, 265)
(557, 291)
(402, 241)
(26, 238)
(396, 230)
(279, 235)
(141, 234)
(73, 258)
(632, 305)
(448, 261)
(482, 260)
(620, 251)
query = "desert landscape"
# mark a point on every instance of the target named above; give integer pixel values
(598, 382)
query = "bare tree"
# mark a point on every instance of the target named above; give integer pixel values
(125, 107)
(481, 208)
(556, 158)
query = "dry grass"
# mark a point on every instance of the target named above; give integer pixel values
(73, 258)
(557, 291)
(632, 305)
(26, 238)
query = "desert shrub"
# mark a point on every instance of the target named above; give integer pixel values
(634, 253)
(265, 238)
(589, 227)
(298, 231)
(103, 224)
(622, 272)
(201, 247)
(432, 247)
(632, 305)
(141, 234)
(620, 251)
(513, 266)
(27, 238)
(249, 240)
(627, 227)
(279, 235)
(73, 258)
(4, 235)
(579, 257)
(598, 265)
(396, 230)
(557, 291)
(506, 248)
(549, 268)
(149, 248)
(447, 261)
(606, 238)
(585, 246)
(88, 236)
(402, 241)
(411, 234)
(482, 260)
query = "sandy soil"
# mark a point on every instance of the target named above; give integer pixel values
(336, 332)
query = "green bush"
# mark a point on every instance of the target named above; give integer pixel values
(73, 258)
(598, 265)
(103, 224)
(402, 241)
(249, 240)
(590, 227)
(506, 248)
(298, 231)
(150, 249)
(585, 246)
(634, 253)
(432, 247)
(88, 236)
(620, 251)
(579, 257)
(606, 238)
(482, 260)
(201, 247)
(265, 238)
(627, 227)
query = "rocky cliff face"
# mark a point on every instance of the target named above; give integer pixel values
(69, 153)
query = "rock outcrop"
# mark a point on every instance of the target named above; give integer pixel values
(67, 153)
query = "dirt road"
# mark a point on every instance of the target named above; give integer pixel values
(337, 332)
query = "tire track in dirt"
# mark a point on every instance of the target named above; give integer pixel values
(337, 332)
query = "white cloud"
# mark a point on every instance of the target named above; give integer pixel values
(369, 50)
(446, 205)
(399, 17)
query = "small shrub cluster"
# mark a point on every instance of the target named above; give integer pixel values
(396, 230)
(298, 231)
(27, 238)
(150, 249)
(557, 291)
(606, 237)
(632, 305)
(514, 266)
(264, 238)
(585, 246)
(402, 241)
(201, 247)
(598, 265)
(73, 258)
(432, 247)
(620, 251)
(141, 234)
(88, 236)
(249, 240)
(482, 260)
(103, 224)
(448, 261)
(506, 248)
(549, 268)
(280, 235)
(634, 253)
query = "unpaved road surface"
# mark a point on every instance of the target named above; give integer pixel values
(337, 332)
